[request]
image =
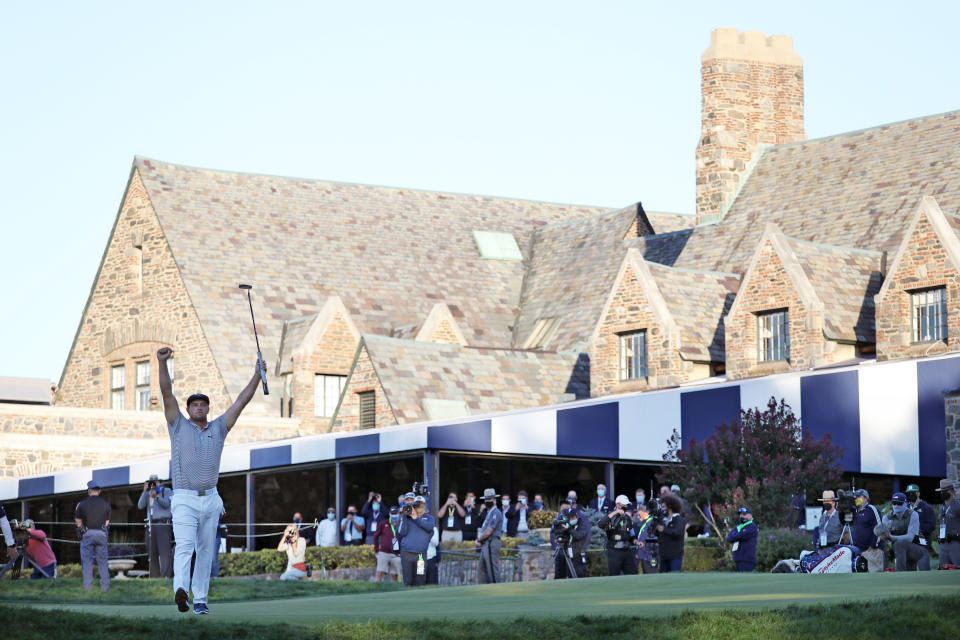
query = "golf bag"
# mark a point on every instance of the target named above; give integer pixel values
(839, 559)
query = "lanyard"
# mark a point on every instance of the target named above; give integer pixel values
(393, 530)
(741, 526)
(645, 523)
(450, 512)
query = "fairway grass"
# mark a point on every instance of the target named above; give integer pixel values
(637, 596)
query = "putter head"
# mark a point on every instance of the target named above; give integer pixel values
(245, 286)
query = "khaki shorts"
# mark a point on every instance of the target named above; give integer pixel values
(388, 563)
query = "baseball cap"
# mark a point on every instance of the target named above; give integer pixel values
(745, 510)
(622, 499)
(899, 498)
(198, 396)
(911, 488)
(409, 495)
(394, 511)
(93, 484)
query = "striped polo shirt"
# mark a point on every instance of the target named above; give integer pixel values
(195, 453)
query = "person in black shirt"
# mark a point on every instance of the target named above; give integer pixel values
(618, 524)
(671, 535)
(93, 518)
(450, 517)
(471, 516)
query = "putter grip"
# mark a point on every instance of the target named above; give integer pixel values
(263, 374)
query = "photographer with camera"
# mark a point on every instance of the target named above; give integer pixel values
(415, 531)
(949, 532)
(451, 515)
(865, 520)
(373, 513)
(618, 525)
(351, 528)
(488, 539)
(159, 534)
(671, 534)
(647, 542)
(386, 545)
(39, 551)
(569, 536)
(296, 548)
(471, 517)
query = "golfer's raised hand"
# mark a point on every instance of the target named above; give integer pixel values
(256, 368)
(164, 353)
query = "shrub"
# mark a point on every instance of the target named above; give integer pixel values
(541, 519)
(703, 554)
(774, 545)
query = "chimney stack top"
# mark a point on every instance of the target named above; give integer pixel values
(730, 44)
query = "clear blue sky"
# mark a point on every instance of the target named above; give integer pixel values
(594, 103)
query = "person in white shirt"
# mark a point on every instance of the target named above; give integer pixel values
(433, 558)
(296, 548)
(328, 533)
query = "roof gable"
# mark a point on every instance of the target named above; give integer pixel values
(947, 228)
(301, 335)
(439, 315)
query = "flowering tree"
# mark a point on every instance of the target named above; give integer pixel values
(759, 461)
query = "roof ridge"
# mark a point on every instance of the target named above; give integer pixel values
(551, 225)
(139, 158)
(865, 129)
(690, 270)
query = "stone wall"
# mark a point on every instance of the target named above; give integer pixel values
(952, 402)
(924, 264)
(138, 303)
(630, 310)
(45, 439)
(332, 354)
(363, 378)
(752, 95)
(767, 288)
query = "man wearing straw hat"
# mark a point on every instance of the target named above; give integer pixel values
(827, 533)
(488, 539)
(949, 533)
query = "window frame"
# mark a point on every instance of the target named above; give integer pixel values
(775, 351)
(625, 366)
(115, 390)
(139, 386)
(940, 317)
(329, 404)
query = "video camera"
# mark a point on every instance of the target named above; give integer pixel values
(846, 505)
(561, 528)
(421, 488)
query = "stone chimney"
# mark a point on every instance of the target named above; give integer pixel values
(752, 93)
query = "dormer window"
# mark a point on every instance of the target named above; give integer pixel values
(633, 355)
(773, 334)
(928, 315)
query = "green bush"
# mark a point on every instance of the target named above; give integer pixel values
(268, 561)
(704, 554)
(774, 545)
(541, 519)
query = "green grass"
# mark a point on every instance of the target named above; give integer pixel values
(147, 591)
(655, 595)
(920, 617)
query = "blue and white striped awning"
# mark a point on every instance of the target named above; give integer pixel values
(888, 418)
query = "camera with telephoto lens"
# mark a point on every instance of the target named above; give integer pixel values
(846, 505)
(561, 528)
(421, 488)
(21, 533)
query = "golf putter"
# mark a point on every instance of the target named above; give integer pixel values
(263, 374)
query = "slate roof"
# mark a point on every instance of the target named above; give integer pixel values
(572, 268)
(25, 390)
(389, 253)
(856, 189)
(488, 380)
(846, 280)
(697, 301)
(669, 222)
(293, 333)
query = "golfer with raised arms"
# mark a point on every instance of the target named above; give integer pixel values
(195, 449)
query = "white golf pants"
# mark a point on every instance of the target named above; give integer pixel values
(194, 529)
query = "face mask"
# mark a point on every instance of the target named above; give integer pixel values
(573, 521)
(297, 521)
(567, 510)
(912, 497)
(505, 503)
(331, 516)
(394, 518)
(899, 509)
(601, 493)
(523, 501)
(376, 506)
(640, 498)
(860, 501)
(489, 504)
(744, 519)
(538, 503)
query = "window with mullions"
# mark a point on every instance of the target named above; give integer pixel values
(143, 385)
(773, 333)
(633, 355)
(117, 386)
(326, 394)
(928, 315)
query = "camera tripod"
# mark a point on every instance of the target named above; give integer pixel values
(19, 563)
(561, 550)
